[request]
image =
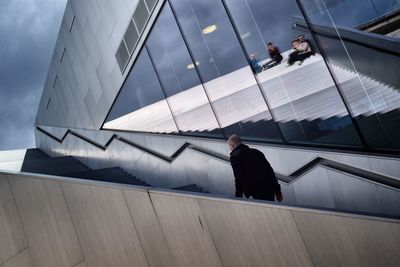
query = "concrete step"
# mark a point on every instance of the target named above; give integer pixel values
(191, 188)
(35, 153)
(112, 175)
(53, 166)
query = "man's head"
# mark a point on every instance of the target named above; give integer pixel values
(252, 56)
(234, 141)
(295, 44)
(270, 45)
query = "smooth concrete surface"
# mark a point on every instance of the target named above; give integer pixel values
(104, 226)
(11, 232)
(46, 221)
(246, 235)
(343, 241)
(119, 225)
(185, 230)
(22, 259)
(318, 186)
(151, 236)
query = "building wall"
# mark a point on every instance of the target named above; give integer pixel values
(196, 80)
(333, 99)
(203, 164)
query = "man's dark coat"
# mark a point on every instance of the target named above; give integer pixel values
(254, 175)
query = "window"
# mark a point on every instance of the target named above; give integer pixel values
(178, 76)
(366, 67)
(224, 70)
(296, 82)
(141, 106)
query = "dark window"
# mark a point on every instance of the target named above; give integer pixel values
(122, 56)
(72, 24)
(151, 4)
(63, 54)
(55, 81)
(141, 15)
(131, 36)
(48, 103)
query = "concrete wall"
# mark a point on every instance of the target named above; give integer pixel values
(320, 186)
(48, 221)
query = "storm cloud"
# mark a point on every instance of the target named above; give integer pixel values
(28, 31)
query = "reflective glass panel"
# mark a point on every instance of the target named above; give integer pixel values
(140, 106)
(366, 66)
(293, 75)
(224, 69)
(349, 13)
(179, 78)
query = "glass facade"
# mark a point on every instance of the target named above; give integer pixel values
(366, 66)
(262, 70)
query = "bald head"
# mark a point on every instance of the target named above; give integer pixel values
(234, 141)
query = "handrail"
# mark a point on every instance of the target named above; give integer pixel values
(290, 178)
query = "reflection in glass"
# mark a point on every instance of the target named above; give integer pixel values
(294, 79)
(366, 66)
(141, 106)
(210, 35)
(178, 77)
(348, 13)
(223, 67)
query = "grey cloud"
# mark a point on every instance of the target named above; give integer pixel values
(28, 30)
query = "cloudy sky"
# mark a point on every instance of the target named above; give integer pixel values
(28, 31)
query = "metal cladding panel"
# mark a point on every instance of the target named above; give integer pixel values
(88, 36)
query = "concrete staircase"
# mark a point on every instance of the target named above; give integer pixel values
(36, 161)
(113, 174)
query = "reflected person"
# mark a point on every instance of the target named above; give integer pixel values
(254, 176)
(301, 51)
(275, 56)
(254, 64)
(302, 39)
